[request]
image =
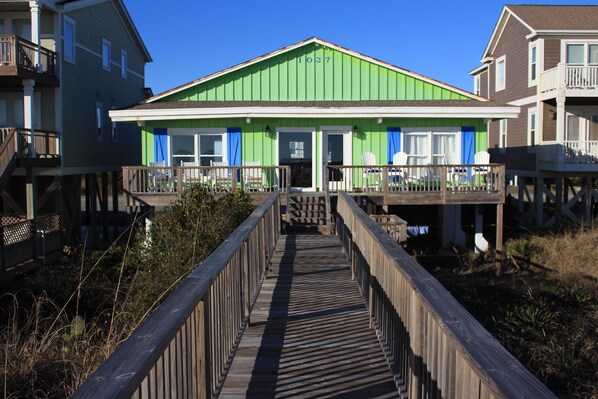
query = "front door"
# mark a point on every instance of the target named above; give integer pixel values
(295, 149)
(336, 151)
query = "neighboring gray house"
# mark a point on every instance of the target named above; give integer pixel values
(63, 66)
(544, 58)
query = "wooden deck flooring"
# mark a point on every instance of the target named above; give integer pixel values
(309, 334)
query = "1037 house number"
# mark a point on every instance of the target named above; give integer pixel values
(317, 60)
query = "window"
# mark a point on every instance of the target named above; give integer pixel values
(426, 147)
(502, 133)
(573, 128)
(531, 126)
(123, 64)
(203, 146)
(593, 54)
(500, 74)
(476, 85)
(533, 64)
(3, 113)
(69, 40)
(575, 54)
(106, 54)
(99, 121)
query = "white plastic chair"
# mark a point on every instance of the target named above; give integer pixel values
(372, 175)
(158, 178)
(253, 179)
(220, 176)
(398, 172)
(191, 174)
(481, 158)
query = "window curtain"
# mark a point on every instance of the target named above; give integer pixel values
(394, 142)
(160, 135)
(418, 147)
(234, 146)
(467, 145)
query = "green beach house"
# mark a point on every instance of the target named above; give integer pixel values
(310, 105)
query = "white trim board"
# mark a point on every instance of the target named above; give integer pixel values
(498, 112)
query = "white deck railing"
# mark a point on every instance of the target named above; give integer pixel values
(581, 151)
(570, 77)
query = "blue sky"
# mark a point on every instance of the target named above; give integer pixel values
(442, 39)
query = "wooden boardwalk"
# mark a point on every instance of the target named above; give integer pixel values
(309, 335)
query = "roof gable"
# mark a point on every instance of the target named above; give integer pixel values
(314, 70)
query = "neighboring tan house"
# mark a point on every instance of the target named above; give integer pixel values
(310, 105)
(63, 66)
(544, 58)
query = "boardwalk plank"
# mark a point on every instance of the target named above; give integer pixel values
(309, 335)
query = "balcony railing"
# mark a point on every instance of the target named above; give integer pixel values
(570, 77)
(20, 53)
(571, 155)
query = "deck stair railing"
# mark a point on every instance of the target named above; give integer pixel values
(185, 347)
(14, 144)
(18, 52)
(436, 348)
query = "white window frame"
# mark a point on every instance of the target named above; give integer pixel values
(498, 85)
(73, 45)
(430, 132)
(196, 133)
(477, 85)
(532, 128)
(99, 121)
(502, 133)
(114, 130)
(533, 65)
(106, 54)
(124, 61)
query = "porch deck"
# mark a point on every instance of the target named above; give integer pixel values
(384, 184)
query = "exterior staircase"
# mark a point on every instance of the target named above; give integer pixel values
(307, 212)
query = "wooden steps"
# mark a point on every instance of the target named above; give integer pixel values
(307, 212)
(309, 335)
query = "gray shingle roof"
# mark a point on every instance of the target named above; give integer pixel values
(557, 17)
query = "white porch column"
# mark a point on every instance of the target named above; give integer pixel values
(28, 113)
(480, 243)
(35, 9)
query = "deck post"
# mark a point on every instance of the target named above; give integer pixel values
(104, 206)
(115, 224)
(559, 200)
(480, 243)
(539, 201)
(31, 193)
(499, 238)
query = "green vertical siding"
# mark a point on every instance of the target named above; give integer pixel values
(314, 73)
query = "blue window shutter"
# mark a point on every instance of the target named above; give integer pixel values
(394, 142)
(160, 135)
(468, 145)
(234, 146)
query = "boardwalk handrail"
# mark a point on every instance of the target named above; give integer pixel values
(184, 348)
(435, 346)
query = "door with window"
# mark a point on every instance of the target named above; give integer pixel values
(296, 149)
(336, 151)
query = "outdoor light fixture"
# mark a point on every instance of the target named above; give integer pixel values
(267, 130)
(355, 131)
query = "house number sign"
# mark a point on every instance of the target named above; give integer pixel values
(316, 59)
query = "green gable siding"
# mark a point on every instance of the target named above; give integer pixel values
(314, 72)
